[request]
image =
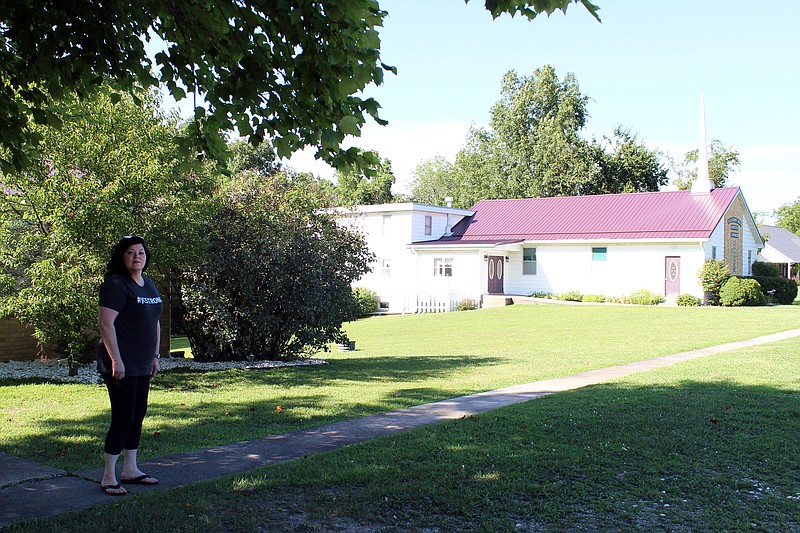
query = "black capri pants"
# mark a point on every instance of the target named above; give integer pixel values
(128, 406)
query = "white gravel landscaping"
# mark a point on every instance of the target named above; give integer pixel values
(56, 369)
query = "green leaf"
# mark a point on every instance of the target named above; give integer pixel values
(350, 126)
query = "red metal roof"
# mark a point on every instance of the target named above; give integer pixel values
(650, 215)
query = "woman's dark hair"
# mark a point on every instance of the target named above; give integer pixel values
(116, 264)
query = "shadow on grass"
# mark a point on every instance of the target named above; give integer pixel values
(697, 456)
(367, 368)
(693, 456)
(192, 409)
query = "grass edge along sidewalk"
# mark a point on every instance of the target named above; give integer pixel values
(28, 501)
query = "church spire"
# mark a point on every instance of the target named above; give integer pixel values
(702, 183)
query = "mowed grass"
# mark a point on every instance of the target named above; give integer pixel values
(705, 445)
(399, 362)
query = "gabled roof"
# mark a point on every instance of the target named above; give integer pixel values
(650, 216)
(781, 246)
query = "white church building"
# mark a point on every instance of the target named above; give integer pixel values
(431, 257)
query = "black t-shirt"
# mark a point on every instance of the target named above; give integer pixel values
(136, 325)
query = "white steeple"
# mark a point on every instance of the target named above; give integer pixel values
(702, 184)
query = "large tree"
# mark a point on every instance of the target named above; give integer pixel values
(533, 148)
(626, 165)
(788, 216)
(289, 71)
(109, 171)
(357, 186)
(722, 162)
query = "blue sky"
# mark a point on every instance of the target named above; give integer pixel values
(645, 67)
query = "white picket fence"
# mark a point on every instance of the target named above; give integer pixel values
(432, 303)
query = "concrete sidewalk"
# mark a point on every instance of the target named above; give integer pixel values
(30, 490)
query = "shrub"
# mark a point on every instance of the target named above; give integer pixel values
(276, 280)
(467, 304)
(366, 301)
(738, 292)
(762, 269)
(570, 296)
(645, 297)
(713, 276)
(688, 300)
(777, 289)
(548, 295)
(594, 298)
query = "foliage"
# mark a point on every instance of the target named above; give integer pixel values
(645, 297)
(533, 149)
(570, 296)
(688, 300)
(542, 294)
(467, 304)
(288, 71)
(761, 268)
(532, 9)
(109, 171)
(366, 301)
(722, 162)
(713, 276)
(433, 181)
(777, 289)
(260, 159)
(593, 298)
(738, 292)
(788, 216)
(276, 280)
(372, 185)
(626, 166)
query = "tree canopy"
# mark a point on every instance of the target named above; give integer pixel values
(356, 187)
(109, 171)
(533, 148)
(788, 216)
(722, 162)
(289, 71)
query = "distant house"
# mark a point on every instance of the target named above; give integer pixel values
(429, 258)
(781, 247)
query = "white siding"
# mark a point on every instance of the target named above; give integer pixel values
(468, 271)
(438, 226)
(389, 230)
(717, 239)
(627, 268)
(749, 244)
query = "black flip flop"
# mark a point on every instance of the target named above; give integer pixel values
(106, 488)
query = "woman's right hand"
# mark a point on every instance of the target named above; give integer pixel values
(117, 368)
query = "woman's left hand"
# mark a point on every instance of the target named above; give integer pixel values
(154, 368)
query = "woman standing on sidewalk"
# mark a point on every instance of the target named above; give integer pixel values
(127, 357)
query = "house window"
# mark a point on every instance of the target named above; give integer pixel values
(386, 267)
(529, 261)
(385, 223)
(443, 266)
(749, 262)
(713, 252)
(599, 253)
(428, 224)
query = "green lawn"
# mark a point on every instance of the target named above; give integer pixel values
(400, 361)
(706, 445)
